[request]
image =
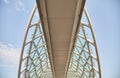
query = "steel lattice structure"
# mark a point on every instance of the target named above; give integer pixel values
(84, 61)
(34, 59)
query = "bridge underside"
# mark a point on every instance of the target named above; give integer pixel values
(58, 19)
(60, 43)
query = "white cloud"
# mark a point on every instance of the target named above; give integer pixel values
(20, 6)
(18, 9)
(9, 55)
(6, 1)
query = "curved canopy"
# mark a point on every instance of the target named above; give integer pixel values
(60, 43)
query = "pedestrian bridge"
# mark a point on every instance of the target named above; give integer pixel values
(60, 42)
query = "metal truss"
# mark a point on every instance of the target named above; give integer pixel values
(84, 61)
(34, 59)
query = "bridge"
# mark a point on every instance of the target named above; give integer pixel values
(60, 43)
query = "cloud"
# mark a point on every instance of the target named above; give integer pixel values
(6, 1)
(20, 6)
(18, 9)
(9, 55)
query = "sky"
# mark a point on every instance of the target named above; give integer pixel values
(105, 17)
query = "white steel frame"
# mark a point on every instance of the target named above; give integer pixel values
(84, 61)
(34, 59)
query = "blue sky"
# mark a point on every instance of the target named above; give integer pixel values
(105, 16)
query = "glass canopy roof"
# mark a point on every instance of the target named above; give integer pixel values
(84, 59)
(34, 60)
